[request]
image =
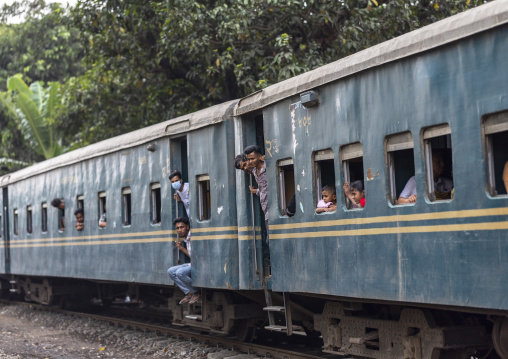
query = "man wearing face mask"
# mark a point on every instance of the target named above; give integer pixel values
(182, 189)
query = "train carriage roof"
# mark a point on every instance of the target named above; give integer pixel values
(429, 37)
(179, 125)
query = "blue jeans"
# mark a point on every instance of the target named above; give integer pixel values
(181, 275)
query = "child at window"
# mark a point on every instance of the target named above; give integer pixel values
(329, 201)
(355, 193)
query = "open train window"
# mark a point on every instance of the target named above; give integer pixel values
(80, 201)
(126, 206)
(352, 166)
(324, 172)
(286, 175)
(102, 210)
(495, 129)
(155, 202)
(400, 163)
(44, 217)
(61, 217)
(16, 232)
(437, 144)
(29, 219)
(204, 205)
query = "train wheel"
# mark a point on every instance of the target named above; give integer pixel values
(500, 337)
(245, 331)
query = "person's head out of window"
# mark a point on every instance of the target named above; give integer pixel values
(241, 162)
(253, 154)
(329, 194)
(80, 219)
(58, 203)
(182, 226)
(176, 180)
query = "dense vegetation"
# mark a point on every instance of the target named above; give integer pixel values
(124, 65)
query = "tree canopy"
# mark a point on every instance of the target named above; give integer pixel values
(129, 64)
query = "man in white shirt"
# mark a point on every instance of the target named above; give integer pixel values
(181, 188)
(181, 274)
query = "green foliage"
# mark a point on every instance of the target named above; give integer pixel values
(34, 109)
(152, 60)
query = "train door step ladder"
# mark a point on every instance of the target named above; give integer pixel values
(14, 286)
(197, 311)
(289, 328)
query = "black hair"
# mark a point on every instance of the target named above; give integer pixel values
(238, 160)
(330, 189)
(174, 174)
(78, 211)
(357, 185)
(183, 220)
(56, 202)
(291, 209)
(253, 148)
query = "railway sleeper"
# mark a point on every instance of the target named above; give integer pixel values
(414, 336)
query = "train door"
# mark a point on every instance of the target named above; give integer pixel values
(4, 230)
(253, 248)
(179, 162)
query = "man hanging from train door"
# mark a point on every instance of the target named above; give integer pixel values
(181, 188)
(181, 274)
(258, 167)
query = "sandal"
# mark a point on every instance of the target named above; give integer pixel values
(186, 298)
(195, 298)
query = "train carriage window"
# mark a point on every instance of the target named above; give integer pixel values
(324, 172)
(204, 205)
(44, 217)
(437, 144)
(29, 219)
(495, 129)
(61, 217)
(155, 202)
(80, 201)
(399, 162)
(126, 206)
(286, 175)
(102, 208)
(352, 165)
(15, 219)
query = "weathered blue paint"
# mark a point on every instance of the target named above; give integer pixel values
(467, 266)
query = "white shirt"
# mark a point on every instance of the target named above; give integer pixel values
(187, 241)
(184, 196)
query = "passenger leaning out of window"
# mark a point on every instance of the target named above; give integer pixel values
(329, 201)
(181, 188)
(181, 274)
(442, 186)
(60, 205)
(103, 220)
(258, 168)
(80, 219)
(355, 193)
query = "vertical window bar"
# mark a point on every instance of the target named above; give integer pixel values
(16, 222)
(282, 189)
(44, 217)
(391, 173)
(490, 166)
(430, 172)
(0, 226)
(318, 182)
(200, 201)
(345, 170)
(29, 219)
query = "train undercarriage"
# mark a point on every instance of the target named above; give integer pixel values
(369, 330)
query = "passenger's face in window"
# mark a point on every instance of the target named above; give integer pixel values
(182, 229)
(176, 179)
(437, 164)
(80, 217)
(329, 197)
(357, 195)
(253, 159)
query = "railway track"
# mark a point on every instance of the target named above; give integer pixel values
(189, 334)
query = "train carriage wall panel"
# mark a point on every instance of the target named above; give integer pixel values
(450, 252)
(214, 240)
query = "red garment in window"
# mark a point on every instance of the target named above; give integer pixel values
(362, 202)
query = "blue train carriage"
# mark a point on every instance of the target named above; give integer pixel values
(126, 178)
(420, 280)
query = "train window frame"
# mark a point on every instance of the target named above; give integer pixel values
(15, 219)
(80, 202)
(402, 141)
(317, 158)
(155, 203)
(347, 153)
(429, 134)
(44, 217)
(204, 197)
(29, 222)
(102, 206)
(493, 126)
(283, 184)
(126, 207)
